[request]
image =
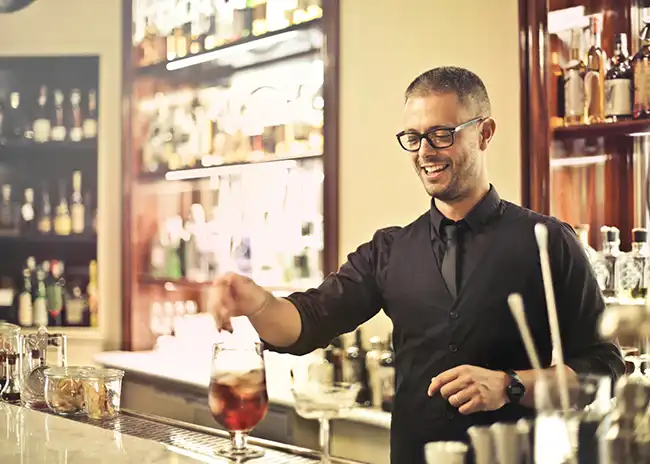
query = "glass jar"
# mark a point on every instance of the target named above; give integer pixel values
(64, 393)
(102, 389)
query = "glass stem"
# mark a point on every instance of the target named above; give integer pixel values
(325, 440)
(238, 440)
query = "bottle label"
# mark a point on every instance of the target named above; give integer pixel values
(642, 86)
(75, 310)
(76, 134)
(25, 310)
(618, 97)
(40, 312)
(90, 128)
(574, 93)
(58, 133)
(78, 218)
(41, 130)
(45, 225)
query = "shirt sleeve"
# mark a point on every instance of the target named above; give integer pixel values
(343, 301)
(580, 304)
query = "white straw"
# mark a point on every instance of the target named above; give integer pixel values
(516, 304)
(541, 234)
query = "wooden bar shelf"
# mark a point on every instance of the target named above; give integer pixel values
(626, 127)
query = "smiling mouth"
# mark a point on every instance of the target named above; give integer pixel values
(433, 170)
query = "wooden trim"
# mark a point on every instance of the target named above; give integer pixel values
(535, 144)
(127, 176)
(331, 28)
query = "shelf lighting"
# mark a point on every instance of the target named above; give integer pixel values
(200, 173)
(579, 161)
(567, 19)
(223, 52)
(639, 134)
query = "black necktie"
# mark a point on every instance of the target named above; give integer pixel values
(448, 267)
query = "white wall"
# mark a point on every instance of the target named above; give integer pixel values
(67, 27)
(385, 44)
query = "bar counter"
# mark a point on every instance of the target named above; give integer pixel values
(36, 437)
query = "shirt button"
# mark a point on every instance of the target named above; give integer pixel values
(453, 348)
(453, 315)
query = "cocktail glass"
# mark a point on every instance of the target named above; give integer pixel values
(238, 398)
(317, 396)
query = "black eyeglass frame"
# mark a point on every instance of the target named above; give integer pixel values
(426, 136)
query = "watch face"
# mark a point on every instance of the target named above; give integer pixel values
(9, 6)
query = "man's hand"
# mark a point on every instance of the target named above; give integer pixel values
(472, 389)
(237, 295)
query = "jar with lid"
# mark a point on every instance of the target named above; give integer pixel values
(102, 389)
(64, 393)
(9, 343)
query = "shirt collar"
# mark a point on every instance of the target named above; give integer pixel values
(476, 217)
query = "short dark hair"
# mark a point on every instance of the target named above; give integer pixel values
(469, 88)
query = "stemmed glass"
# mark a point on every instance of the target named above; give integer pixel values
(632, 355)
(318, 396)
(238, 398)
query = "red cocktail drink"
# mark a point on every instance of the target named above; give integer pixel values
(239, 401)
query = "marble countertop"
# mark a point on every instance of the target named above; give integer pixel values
(34, 437)
(196, 373)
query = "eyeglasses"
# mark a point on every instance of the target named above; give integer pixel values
(441, 137)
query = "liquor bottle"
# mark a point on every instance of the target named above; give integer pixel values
(76, 308)
(641, 69)
(76, 129)
(45, 216)
(259, 26)
(632, 270)
(91, 293)
(556, 91)
(40, 300)
(3, 124)
(90, 122)
(336, 358)
(11, 391)
(17, 127)
(372, 362)
(77, 207)
(62, 220)
(618, 83)
(27, 214)
(387, 376)
(595, 77)
(58, 131)
(604, 263)
(3, 369)
(89, 213)
(7, 211)
(25, 306)
(242, 19)
(574, 85)
(54, 286)
(358, 370)
(42, 123)
(582, 231)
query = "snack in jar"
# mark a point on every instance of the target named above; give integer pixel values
(64, 390)
(102, 389)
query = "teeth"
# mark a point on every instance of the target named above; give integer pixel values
(432, 169)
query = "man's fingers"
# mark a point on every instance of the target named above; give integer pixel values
(455, 386)
(444, 378)
(472, 406)
(464, 396)
(224, 304)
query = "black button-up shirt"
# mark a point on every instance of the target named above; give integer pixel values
(399, 271)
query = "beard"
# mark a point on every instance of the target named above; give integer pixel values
(456, 180)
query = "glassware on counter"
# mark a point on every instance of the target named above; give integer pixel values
(604, 262)
(449, 452)
(102, 389)
(38, 352)
(238, 398)
(632, 270)
(318, 396)
(557, 434)
(9, 343)
(11, 390)
(64, 393)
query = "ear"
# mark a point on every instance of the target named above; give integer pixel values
(488, 128)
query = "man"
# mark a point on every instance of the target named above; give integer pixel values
(444, 280)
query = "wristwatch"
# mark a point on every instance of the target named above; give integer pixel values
(516, 389)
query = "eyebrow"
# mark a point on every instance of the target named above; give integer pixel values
(430, 128)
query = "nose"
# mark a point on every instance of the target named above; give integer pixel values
(426, 150)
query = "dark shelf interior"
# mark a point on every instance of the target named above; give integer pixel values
(625, 127)
(207, 171)
(272, 46)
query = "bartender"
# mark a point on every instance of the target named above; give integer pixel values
(444, 280)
